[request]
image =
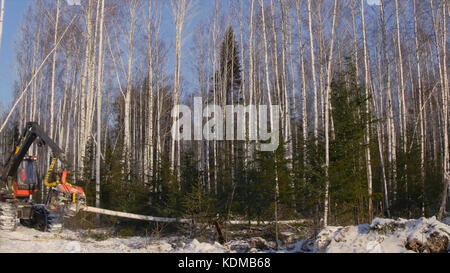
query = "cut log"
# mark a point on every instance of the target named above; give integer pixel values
(179, 220)
(134, 216)
(262, 223)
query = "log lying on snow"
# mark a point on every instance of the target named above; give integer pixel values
(176, 220)
(134, 216)
(263, 223)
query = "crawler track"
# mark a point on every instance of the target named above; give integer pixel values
(8, 216)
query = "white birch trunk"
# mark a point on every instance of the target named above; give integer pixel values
(421, 110)
(327, 115)
(179, 9)
(251, 74)
(367, 130)
(403, 112)
(99, 107)
(266, 61)
(287, 105)
(303, 78)
(52, 94)
(84, 91)
(313, 71)
(392, 143)
(355, 41)
(127, 118)
(445, 114)
(148, 155)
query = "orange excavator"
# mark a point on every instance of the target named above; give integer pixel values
(20, 181)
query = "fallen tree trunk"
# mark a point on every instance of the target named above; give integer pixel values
(262, 223)
(177, 220)
(134, 216)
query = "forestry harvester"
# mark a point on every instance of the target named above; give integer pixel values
(20, 181)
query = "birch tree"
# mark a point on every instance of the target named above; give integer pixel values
(99, 107)
(127, 148)
(367, 132)
(355, 40)
(251, 72)
(327, 115)
(445, 116)
(313, 71)
(421, 110)
(148, 153)
(303, 79)
(403, 112)
(179, 10)
(286, 100)
(269, 96)
(84, 92)
(52, 96)
(391, 131)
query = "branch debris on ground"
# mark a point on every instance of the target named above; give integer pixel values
(422, 235)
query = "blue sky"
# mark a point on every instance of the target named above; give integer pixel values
(373, 2)
(14, 10)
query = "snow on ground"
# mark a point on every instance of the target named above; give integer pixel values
(382, 236)
(26, 240)
(446, 221)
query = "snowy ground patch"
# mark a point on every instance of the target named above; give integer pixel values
(381, 236)
(26, 240)
(422, 235)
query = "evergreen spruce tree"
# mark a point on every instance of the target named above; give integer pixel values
(228, 78)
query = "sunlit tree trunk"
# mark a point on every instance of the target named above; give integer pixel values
(148, 153)
(85, 90)
(215, 87)
(445, 114)
(275, 62)
(313, 71)
(304, 91)
(403, 112)
(355, 40)
(251, 73)
(287, 104)
(391, 133)
(127, 118)
(421, 110)
(378, 112)
(179, 9)
(269, 95)
(367, 129)
(327, 115)
(99, 107)
(52, 94)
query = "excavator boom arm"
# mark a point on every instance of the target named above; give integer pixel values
(29, 135)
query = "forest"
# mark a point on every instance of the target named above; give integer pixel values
(362, 88)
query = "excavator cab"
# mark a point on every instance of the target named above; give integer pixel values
(27, 182)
